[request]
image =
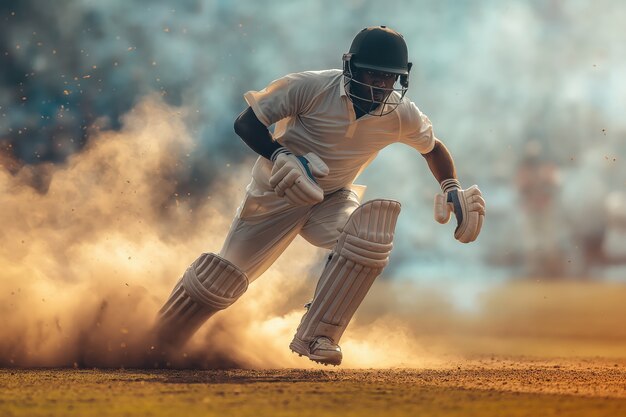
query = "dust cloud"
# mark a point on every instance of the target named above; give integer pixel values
(91, 248)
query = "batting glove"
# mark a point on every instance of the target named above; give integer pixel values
(467, 205)
(295, 177)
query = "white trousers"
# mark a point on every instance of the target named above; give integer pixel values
(266, 224)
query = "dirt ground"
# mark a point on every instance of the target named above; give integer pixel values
(530, 348)
(491, 386)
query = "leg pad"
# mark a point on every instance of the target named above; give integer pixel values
(210, 284)
(359, 257)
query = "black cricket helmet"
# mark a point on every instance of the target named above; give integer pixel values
(378, 48)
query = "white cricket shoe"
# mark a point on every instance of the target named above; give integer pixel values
(321, 350)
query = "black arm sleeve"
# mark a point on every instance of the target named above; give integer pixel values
(255, 134)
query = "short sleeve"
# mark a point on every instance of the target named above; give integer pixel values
(280, 99)
(416, 129)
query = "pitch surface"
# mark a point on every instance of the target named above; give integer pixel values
(479, 387)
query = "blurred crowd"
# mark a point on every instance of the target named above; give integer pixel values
(527, 94)
(569, 226)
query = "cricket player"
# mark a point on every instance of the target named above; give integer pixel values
(328, 126)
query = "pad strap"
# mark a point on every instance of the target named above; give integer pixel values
(363, 252)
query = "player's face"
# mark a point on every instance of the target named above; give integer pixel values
(381, 82)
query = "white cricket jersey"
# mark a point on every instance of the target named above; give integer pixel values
(312, 113)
